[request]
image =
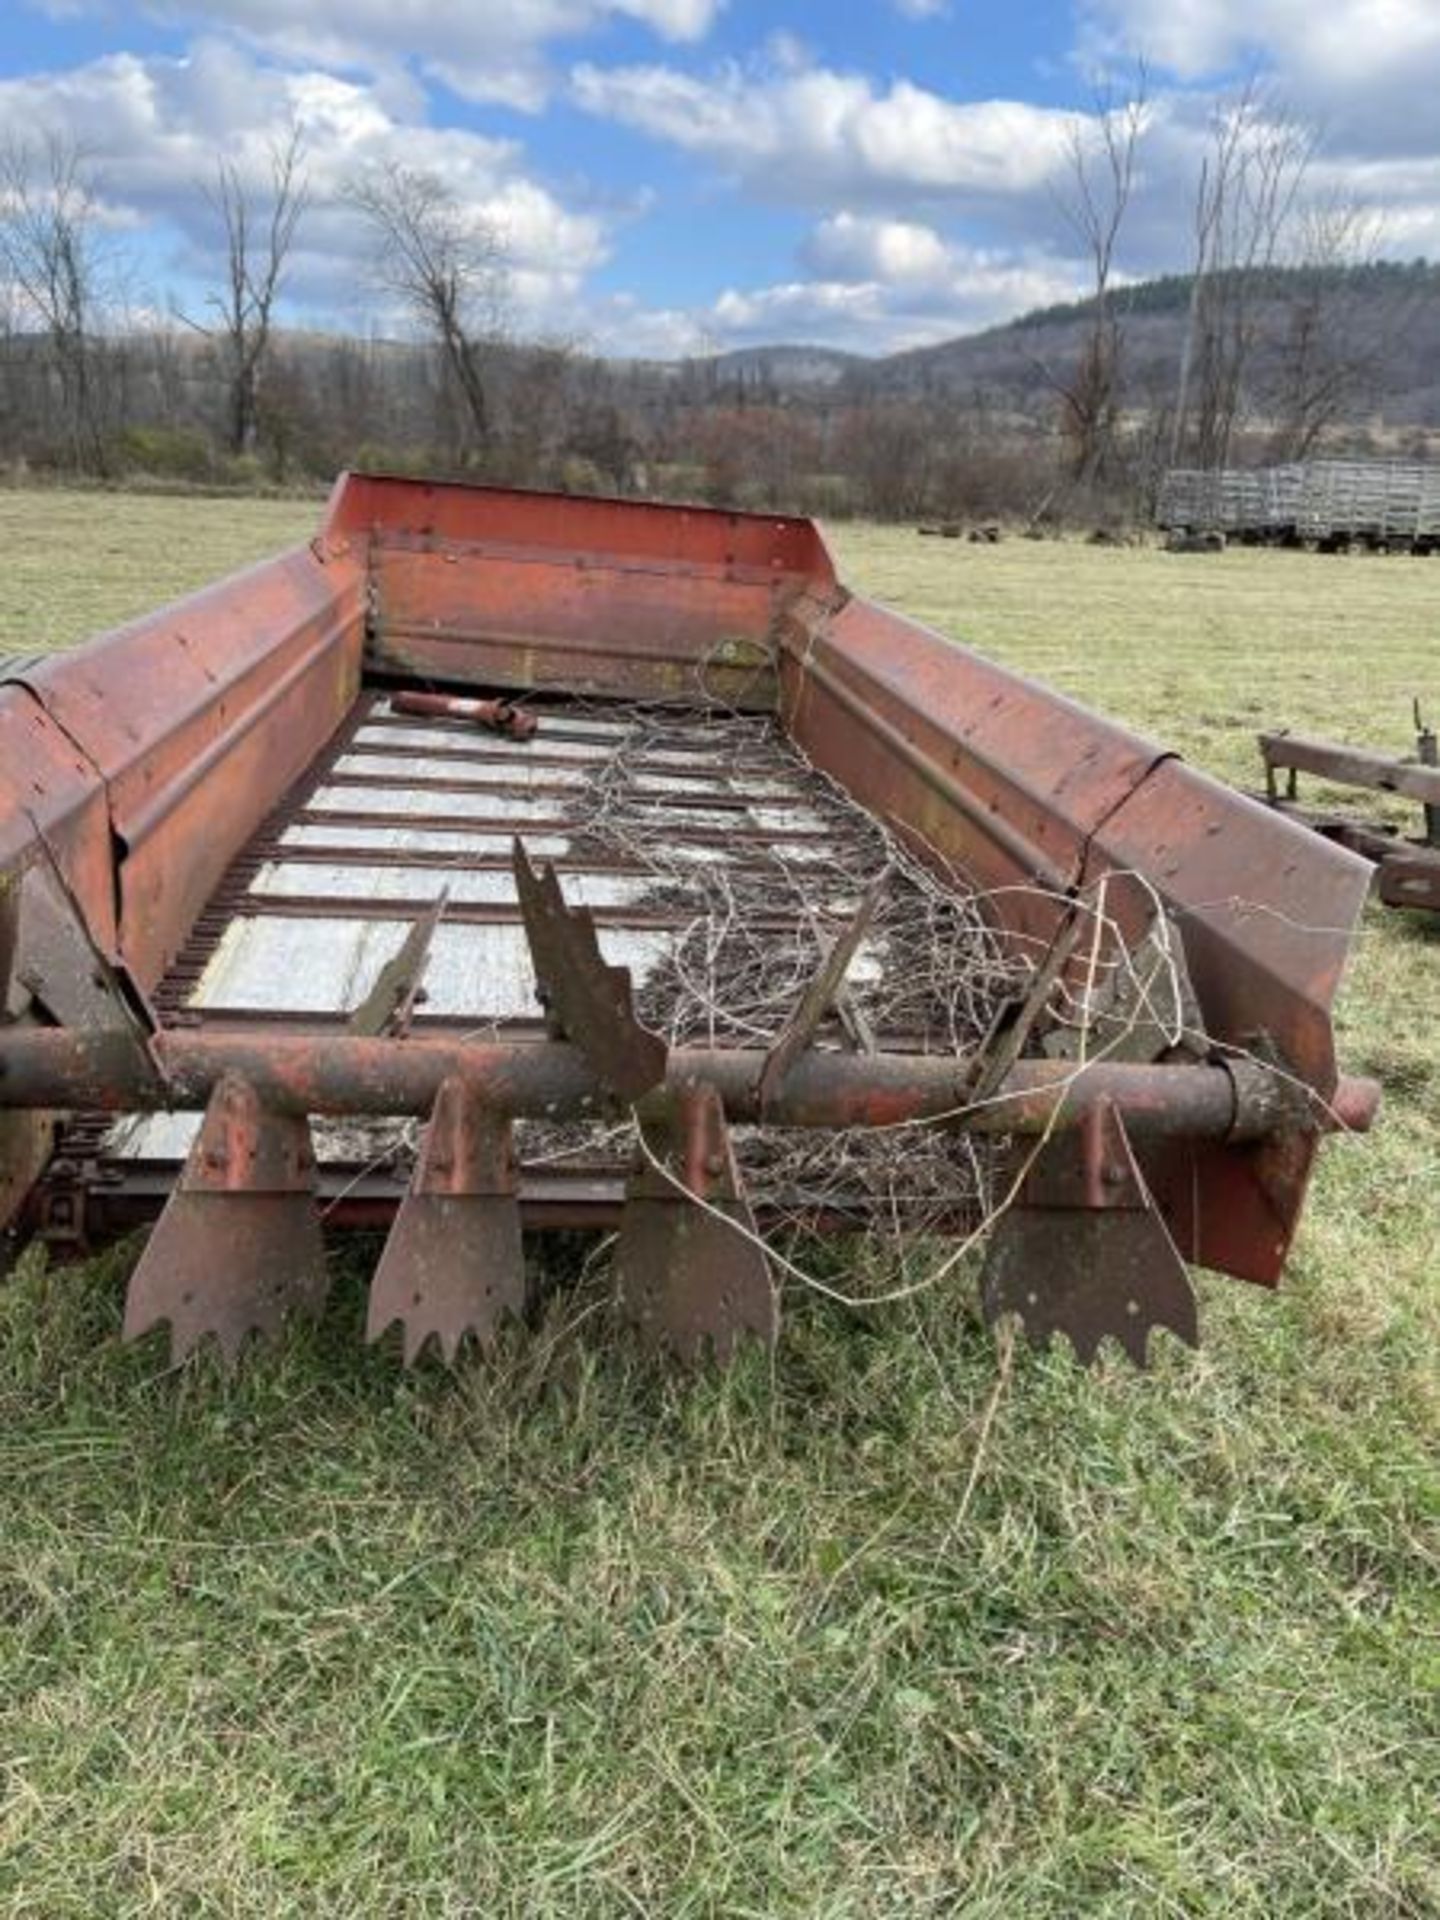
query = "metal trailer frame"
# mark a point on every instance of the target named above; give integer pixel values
(1407, 870)
(1384, 505)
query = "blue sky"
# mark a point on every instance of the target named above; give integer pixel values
(673, 175)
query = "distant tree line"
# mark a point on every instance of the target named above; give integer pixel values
(1272, 347)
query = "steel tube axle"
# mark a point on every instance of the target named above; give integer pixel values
(66, 1069)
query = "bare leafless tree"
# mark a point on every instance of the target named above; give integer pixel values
(259, 236)
(1102, 150)
(1325, 353)
(1249, 187)
(533, 408)
(13, 381)
(445, 262)
(49, 255)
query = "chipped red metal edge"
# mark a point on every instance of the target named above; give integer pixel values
(140, 764)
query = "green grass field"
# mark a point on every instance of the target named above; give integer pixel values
(876, 1629)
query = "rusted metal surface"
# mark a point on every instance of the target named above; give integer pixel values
(508, 589)
(1146, 1010)
(1266, 939)
(453, 1264)
(237, 1249)
(819, 996)
(995, 777)
(1427, 752)
(1085, 1252)
(1016, 1017)
(690, 1271)
(1411, 879)
(9, 938)
(55, 961)
(26, 1136)
(333, 1073)
(585, 1000)
(53, 822)
(492, 716)
(194, 721)
(390, 1003)
(246, 829)
(1348, 767)
(52, 797)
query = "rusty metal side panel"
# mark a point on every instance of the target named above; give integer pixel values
(177, 854)
(196, 719)
(536, 620)
(497, 587)
(148, 700)
(52, 806)
(49, 791)
(1267, 911)
(992, 777)
(1013, 787)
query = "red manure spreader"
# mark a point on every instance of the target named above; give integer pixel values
(503, 861)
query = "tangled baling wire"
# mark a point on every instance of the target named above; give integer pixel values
(758, 906)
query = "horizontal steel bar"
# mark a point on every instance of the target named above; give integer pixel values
(667, 801)
(499, 787)
(128, 1195)
(512, 1030)
(334, 1022)
(66, 1069)
(676, 828)
(341, 906)
(607, 560)
(309, 854)
(1360, 836)
(473, 754)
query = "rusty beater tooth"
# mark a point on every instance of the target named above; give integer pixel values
(1085, 1253)
(586, 1001)
(453, 1264)
(691, 1275)
(825, 988)
(238, 1247)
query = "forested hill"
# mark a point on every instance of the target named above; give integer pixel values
(1381, 321)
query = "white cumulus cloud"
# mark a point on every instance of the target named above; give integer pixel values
(856, 247)
(1347, 39)
(820, 133)
(484, 49)
(878, 285)
(1368, 70)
